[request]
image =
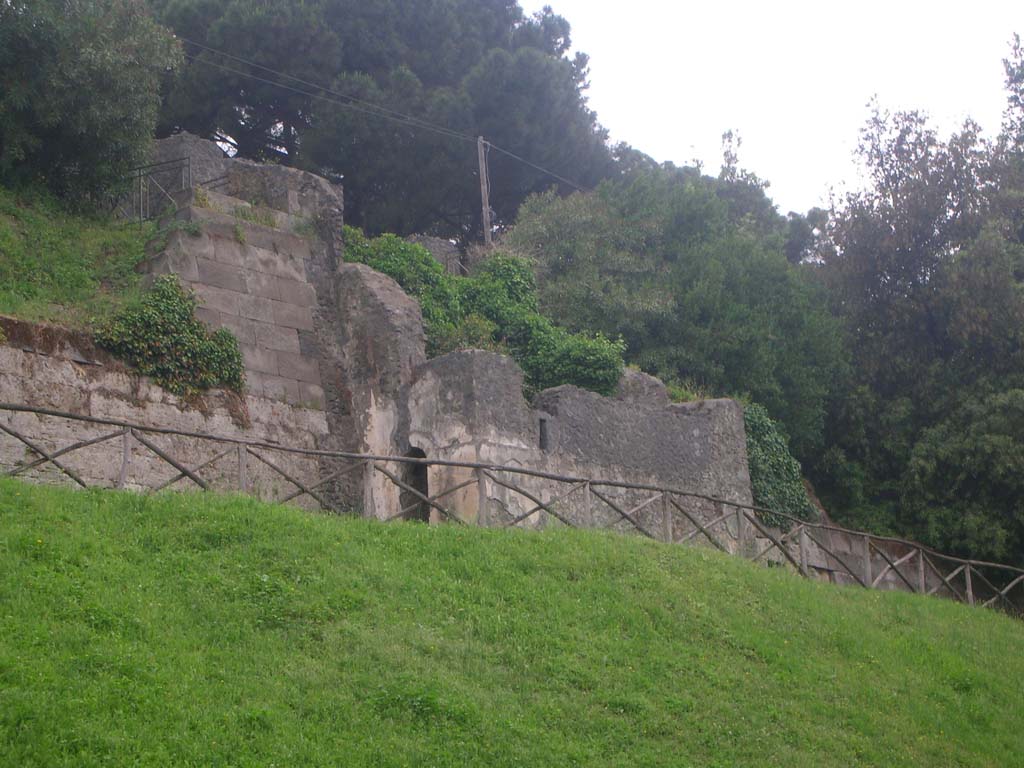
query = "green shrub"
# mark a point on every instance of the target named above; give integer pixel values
(775, 476)
(419, 274)
(495, 308)
(473, 332)
(162, 338)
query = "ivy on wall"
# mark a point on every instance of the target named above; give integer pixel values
(161, 337)
(775, 476)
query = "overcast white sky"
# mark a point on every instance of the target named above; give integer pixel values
(792, 77)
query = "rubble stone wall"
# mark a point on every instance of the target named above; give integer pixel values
(469, 406)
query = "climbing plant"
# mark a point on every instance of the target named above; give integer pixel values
(775, 476)
(161, 337)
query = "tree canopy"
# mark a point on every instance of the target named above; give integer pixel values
(925, 267)
(691, 271)
(345, 88)
(79, 91)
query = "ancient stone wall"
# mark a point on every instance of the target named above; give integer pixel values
(50, 368)
(252, 280)
(242, 240)
(447, 253)
(468, 406)
(304, 198)
(377, 343)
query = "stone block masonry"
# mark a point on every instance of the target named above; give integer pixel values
(252, 280)
(469, 406)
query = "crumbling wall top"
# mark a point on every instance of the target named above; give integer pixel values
(289, 190)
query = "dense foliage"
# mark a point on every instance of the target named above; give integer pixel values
(79, 91)
(161, 337)
(691, 271)
(194, 629)
(64, 267)
(775, 476)
(477, 68)
(926, 269)
(494, 308)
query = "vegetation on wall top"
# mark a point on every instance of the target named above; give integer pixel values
(495, 308)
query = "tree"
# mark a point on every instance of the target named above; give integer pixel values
(220, 97)
(79, 91)
(370, 74)
(925, 267)
(964, 485)
(699, 290)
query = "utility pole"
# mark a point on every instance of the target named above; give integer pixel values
(485, 188)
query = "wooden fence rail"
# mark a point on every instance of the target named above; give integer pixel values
(807, 548)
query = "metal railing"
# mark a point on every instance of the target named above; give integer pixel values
(151, 189)
(811, 549)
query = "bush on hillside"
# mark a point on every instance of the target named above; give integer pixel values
(79, 91)
(495, 308)
(161, 337)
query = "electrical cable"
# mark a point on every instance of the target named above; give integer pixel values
(355, 99)
(401, 120)
(374, 110)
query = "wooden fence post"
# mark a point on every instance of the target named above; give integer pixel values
(483, 517)
(741, 533)
(970, 587)
(868, 578)
(921, 580)
(666, 520)
(126, 458)
(803, 551)
(368, 505)
(588, 506)
(243, 468)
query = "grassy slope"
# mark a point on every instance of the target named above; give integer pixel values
(59, 266)
(189, 630)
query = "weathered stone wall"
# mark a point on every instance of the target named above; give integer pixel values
(468, 406)
(377, 343)
(50, 368)
(252, 280)
(237, 247)
(301, 196)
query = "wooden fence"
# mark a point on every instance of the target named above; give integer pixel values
(811, 549)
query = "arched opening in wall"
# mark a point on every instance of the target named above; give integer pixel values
(415, 476)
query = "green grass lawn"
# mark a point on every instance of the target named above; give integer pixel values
(200, 630)
(55, 265)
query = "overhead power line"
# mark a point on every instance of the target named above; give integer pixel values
(523, 160)
(354, 99)
(402, 120)
(357, 104)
